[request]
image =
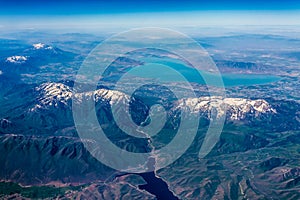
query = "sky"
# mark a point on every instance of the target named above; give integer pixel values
(68, 7)
(67, 13)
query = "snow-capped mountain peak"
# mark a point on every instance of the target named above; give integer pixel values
(38, 45)
(53, 94)
(16, 59)
(58, 94)
(41, 46)
(234, 108)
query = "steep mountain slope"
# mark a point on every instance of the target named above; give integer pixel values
(47, 108)
(40, 144)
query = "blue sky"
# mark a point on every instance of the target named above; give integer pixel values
(66, 13)
(87, 7)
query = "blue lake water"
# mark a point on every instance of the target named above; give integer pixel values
(156, 68)
(157, 187)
